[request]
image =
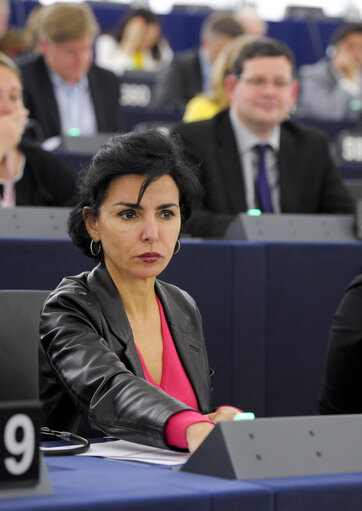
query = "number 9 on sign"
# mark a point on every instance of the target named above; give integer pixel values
(19, 444)
(22, 449)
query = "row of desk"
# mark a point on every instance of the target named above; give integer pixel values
(308, 38)
(266, 307)
(97, 484)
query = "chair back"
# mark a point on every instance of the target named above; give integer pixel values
(19, 340)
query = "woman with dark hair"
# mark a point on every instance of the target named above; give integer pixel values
(135, 44)
(123, 353)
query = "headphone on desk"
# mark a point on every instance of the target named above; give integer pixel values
(79, 444)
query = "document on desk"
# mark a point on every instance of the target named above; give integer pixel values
(130, 451)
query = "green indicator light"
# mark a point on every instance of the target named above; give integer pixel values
(355, 104)
(74, 132)
(246, 416)
(254, 212)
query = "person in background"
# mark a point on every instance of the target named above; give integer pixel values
(205, 106)
(332, 88)
(63, 91)
(29, 176)
(136, 43)
(190, 72)
(122, 353)
(12, 41)
(342, 383)
(253, 156)
(32, 35)
(251, 22)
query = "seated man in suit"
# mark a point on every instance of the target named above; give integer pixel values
(332, 88)
(190, 72)
(253, 156)
(63, 91)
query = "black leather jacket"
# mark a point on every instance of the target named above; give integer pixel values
(91, 378)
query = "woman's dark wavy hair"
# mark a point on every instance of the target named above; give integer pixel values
(149, 153)
(149, 18)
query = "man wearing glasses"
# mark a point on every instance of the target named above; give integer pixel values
(253, 156)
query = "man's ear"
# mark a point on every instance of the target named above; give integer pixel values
(42, 45)
(91, 224)
(230, 82)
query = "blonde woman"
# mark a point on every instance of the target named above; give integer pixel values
(29, 176)
(205, 106)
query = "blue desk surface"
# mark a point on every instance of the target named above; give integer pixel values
(91, 484)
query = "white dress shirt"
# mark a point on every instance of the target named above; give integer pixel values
(246, 142)
(76, 109)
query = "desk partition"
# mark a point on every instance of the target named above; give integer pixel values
(266, 307)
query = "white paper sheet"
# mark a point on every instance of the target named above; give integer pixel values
(130, 451)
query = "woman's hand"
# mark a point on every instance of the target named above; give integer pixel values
(134, 33)
(223, 413)
(196, 434)
(12, 127)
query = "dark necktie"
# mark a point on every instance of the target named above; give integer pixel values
(263, 189)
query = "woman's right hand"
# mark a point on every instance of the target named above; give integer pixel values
(196, 434)
(12, 127)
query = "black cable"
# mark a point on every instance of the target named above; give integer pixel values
(81, 444)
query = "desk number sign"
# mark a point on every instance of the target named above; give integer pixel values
(19, 443)
(349, 146)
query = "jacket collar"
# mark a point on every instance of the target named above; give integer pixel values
(103, 287)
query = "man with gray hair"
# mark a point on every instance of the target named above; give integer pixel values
(63, 90)
(190, 72)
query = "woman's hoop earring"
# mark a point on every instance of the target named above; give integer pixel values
(177, 247)
(95, 254)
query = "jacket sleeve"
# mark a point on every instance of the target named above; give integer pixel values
(206, 220)
(107, 393)
(342, 385)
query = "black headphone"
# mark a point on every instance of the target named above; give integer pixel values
(79, 445)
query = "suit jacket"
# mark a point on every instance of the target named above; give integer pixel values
(40, 99)
(309, 180)
(45, 181)
(323, 97)
(88, 361)
(180, 81)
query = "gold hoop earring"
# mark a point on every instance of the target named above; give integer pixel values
(177, 247)
(91, 248)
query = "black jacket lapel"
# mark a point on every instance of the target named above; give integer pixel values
(228, 161)
(112, 308)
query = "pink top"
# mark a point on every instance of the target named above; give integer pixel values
(175, 382)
